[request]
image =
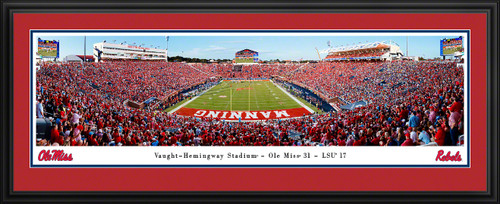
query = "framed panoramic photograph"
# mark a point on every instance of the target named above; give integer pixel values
(250, 102)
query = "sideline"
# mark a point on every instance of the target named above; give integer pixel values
(184, 104)
(295, 99)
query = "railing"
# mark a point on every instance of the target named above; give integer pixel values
(460, 140)
(430, 144)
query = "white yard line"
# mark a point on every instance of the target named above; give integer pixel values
(249, 89)
(256, 101)
(295, 99)
(184, 104)
(231, 94)
(231, 98)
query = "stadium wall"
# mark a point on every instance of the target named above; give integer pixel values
(112, 51)
(324, 105)
(181, 93)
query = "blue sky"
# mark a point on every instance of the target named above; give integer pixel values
(269, 47)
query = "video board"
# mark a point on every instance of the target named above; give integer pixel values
(448, 47)
(48, 48)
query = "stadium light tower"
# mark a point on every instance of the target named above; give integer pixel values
(407, 46)
(84, 50)
(166, 37)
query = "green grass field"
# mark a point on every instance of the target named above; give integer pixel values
(244, 96)
(244, 60)
(47, 53)
(451, 51)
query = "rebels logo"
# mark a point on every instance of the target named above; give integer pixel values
(448, 157)
(55, 155)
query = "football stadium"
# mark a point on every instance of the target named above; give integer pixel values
(368, 94)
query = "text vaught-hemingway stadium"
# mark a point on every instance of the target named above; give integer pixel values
(356, 96)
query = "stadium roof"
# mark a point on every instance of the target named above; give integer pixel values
(87, 57)
(246, 50)
(383, 44)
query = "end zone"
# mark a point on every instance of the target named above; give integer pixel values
(244, 115)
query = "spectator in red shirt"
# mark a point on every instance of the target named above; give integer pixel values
(55, 137)
(408, 141)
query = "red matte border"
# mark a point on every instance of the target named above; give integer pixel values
(250, 179)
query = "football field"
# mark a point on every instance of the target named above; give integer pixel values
(244, 60)
(244, 96)
(259, 97)
(47, 53)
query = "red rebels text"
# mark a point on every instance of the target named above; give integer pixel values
(448, 157)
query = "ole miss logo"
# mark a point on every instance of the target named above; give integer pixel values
(448, 157)
(54, 155)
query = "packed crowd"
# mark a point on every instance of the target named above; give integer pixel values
(248, 71)
(410, 103)
(451, 42)
(372, 53)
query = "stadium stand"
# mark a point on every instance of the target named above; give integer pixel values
(87, 104)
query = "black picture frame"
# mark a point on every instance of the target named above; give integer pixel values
(9, 8)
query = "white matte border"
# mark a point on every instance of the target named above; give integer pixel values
(354, 156)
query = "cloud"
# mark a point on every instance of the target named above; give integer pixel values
(213, 48)
(203, 52)
(235, 41)
(265, 51)
(195, 52)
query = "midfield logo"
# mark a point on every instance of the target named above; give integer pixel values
(55, 155)
(448, 157)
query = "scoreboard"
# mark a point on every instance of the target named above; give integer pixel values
(246, 56)
(48, 48)
(448, 47)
